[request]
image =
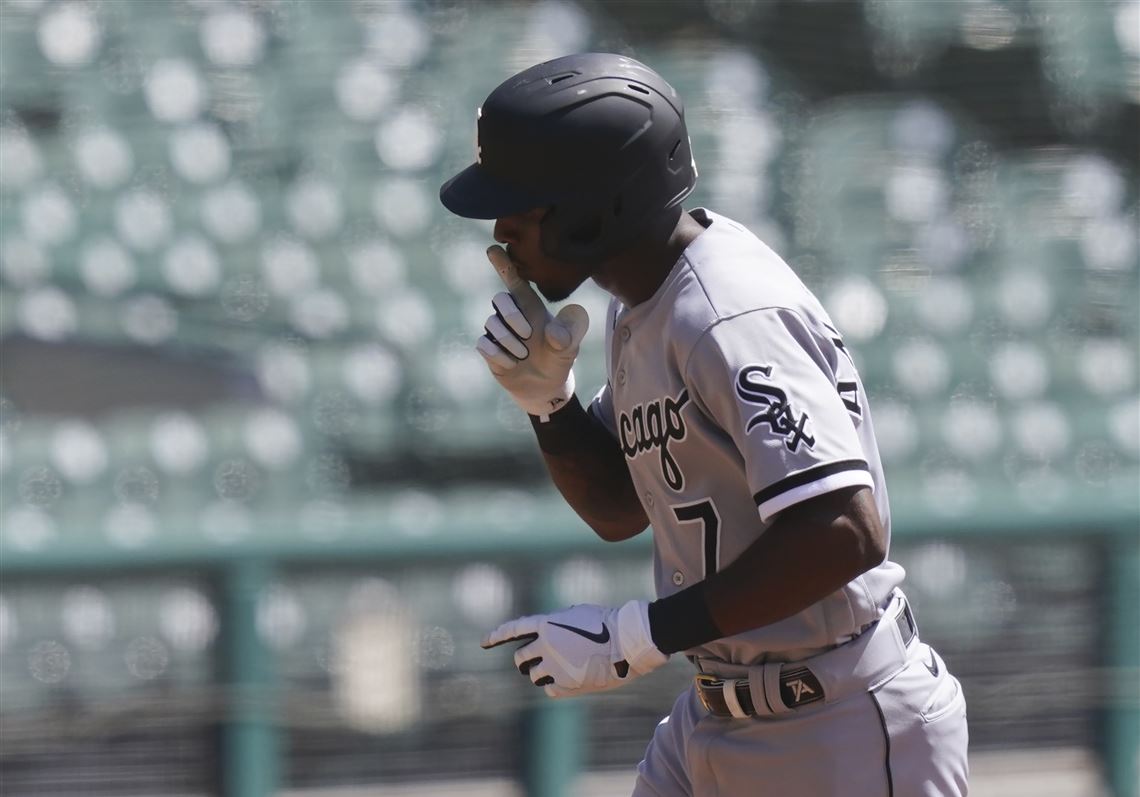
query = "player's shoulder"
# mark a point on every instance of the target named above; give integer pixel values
(731, 272)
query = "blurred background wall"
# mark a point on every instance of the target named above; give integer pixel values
(260, 499)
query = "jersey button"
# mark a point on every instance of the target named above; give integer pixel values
(678, 577)
(648, 499)
(625, 333)
(621, 377)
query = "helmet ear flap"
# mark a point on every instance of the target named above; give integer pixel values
(572, 233)
(587, 232)
(582, 232)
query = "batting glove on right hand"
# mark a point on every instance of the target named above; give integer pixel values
(583, 649)
(530, 352)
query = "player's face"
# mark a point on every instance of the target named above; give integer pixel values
(522, 235)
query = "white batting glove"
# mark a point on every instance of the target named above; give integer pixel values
(582, 649)
(530, 352)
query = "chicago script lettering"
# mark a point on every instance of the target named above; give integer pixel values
(652, 426)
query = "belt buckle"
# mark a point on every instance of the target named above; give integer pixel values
(707, 681)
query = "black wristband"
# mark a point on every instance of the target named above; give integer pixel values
(563, 429)
(682, 620)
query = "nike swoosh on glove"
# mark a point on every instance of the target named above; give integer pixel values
(583, 649)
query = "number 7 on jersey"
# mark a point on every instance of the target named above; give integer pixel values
(705, 513)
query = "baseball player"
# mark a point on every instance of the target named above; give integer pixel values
(733, 423)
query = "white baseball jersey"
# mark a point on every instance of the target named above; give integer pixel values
(733, 397)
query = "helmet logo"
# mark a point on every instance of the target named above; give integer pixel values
(478, 149)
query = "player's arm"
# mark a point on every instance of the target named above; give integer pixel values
(812, 549)
(771, 383)
(589, 469)
(531, 354)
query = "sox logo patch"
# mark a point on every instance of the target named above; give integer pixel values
(776, 412)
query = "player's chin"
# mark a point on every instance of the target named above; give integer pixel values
(554, 293)
(560, 285)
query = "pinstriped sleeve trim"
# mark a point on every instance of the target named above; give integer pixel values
(810, 483)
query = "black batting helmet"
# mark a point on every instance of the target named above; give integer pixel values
(598, 138)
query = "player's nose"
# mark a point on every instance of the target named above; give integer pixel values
(507, 230)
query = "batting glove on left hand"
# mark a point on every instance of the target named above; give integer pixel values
(530, 352)
(582, 649)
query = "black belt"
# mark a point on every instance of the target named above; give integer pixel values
(798, 685)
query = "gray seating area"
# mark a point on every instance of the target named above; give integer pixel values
(209, 196)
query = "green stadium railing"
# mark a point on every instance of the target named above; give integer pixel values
(252, 753)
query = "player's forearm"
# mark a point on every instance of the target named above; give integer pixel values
(602, 495)
(589, 470)
(812, 550)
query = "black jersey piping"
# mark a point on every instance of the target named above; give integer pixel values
(887, 742)
(807, 477)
